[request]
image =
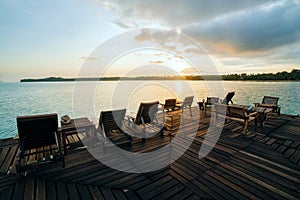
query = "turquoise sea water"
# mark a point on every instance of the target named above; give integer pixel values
(18, 99)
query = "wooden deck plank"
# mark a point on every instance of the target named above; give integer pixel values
(119, 194)
(246, 174)
(95, 192)
(183, 194)
(29, 189)
(205, 189)
(6, 181)
(268, 170)
(73, 192)
(107, 193)
(262, 164)
(170, 192)
(84, 192)
(181, 170)
(8, 164)
(51, 190)
(295, 158)
(6, 193)
(154, 185)
(160, 190)
(271, 179)
(40, 189)
(3, 155)
(61, 190)
(222, 189)
(132, 195)
(244, 183)
(19, 190)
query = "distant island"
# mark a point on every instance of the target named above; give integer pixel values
(294, 75)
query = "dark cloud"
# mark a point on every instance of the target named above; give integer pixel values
(239, 26)
(253, 33)
(255, 30)
(176, 12)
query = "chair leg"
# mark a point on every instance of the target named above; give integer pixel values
(246, 127)
(144, 135)
(256, 123)
(18, 168)
(216, 118)
(63, 161)
(162, 132)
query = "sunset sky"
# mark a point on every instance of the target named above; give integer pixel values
(54, 38)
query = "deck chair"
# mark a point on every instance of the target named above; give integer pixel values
(228, 98)
(236, 113)
(169, 104)
(210, 101)
(186, 103)
(147, 118)
(38, 137)
(270, 102)
(110, 127)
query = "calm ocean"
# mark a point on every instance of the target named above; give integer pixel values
(18, 99)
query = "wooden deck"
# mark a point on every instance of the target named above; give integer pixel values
(262, 164)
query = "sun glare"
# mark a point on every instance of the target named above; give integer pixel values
(146, 59)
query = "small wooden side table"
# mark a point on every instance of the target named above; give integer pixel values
(76, 125)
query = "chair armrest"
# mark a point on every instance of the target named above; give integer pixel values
(253, 114)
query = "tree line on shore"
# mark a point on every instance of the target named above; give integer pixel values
(294, 75)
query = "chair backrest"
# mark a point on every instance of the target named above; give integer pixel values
(228, 98)
(231, 110)
(237, 111)
(37, 130)
(146, 113)
(212, 100)
(188, 101)
(220, 109)
(270, 100)
(170, 103)
(111, 120)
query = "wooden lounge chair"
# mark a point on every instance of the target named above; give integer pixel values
(270, 102)
(110, 127)
(228, 98)
(147, 118)
(210, 101)
(169, 104)
(186, 103)
(38, 138)
(236, 113)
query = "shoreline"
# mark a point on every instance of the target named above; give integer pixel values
(45, 81)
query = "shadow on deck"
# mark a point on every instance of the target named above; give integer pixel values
(260, 164)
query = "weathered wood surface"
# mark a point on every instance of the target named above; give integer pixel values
(262, 164)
